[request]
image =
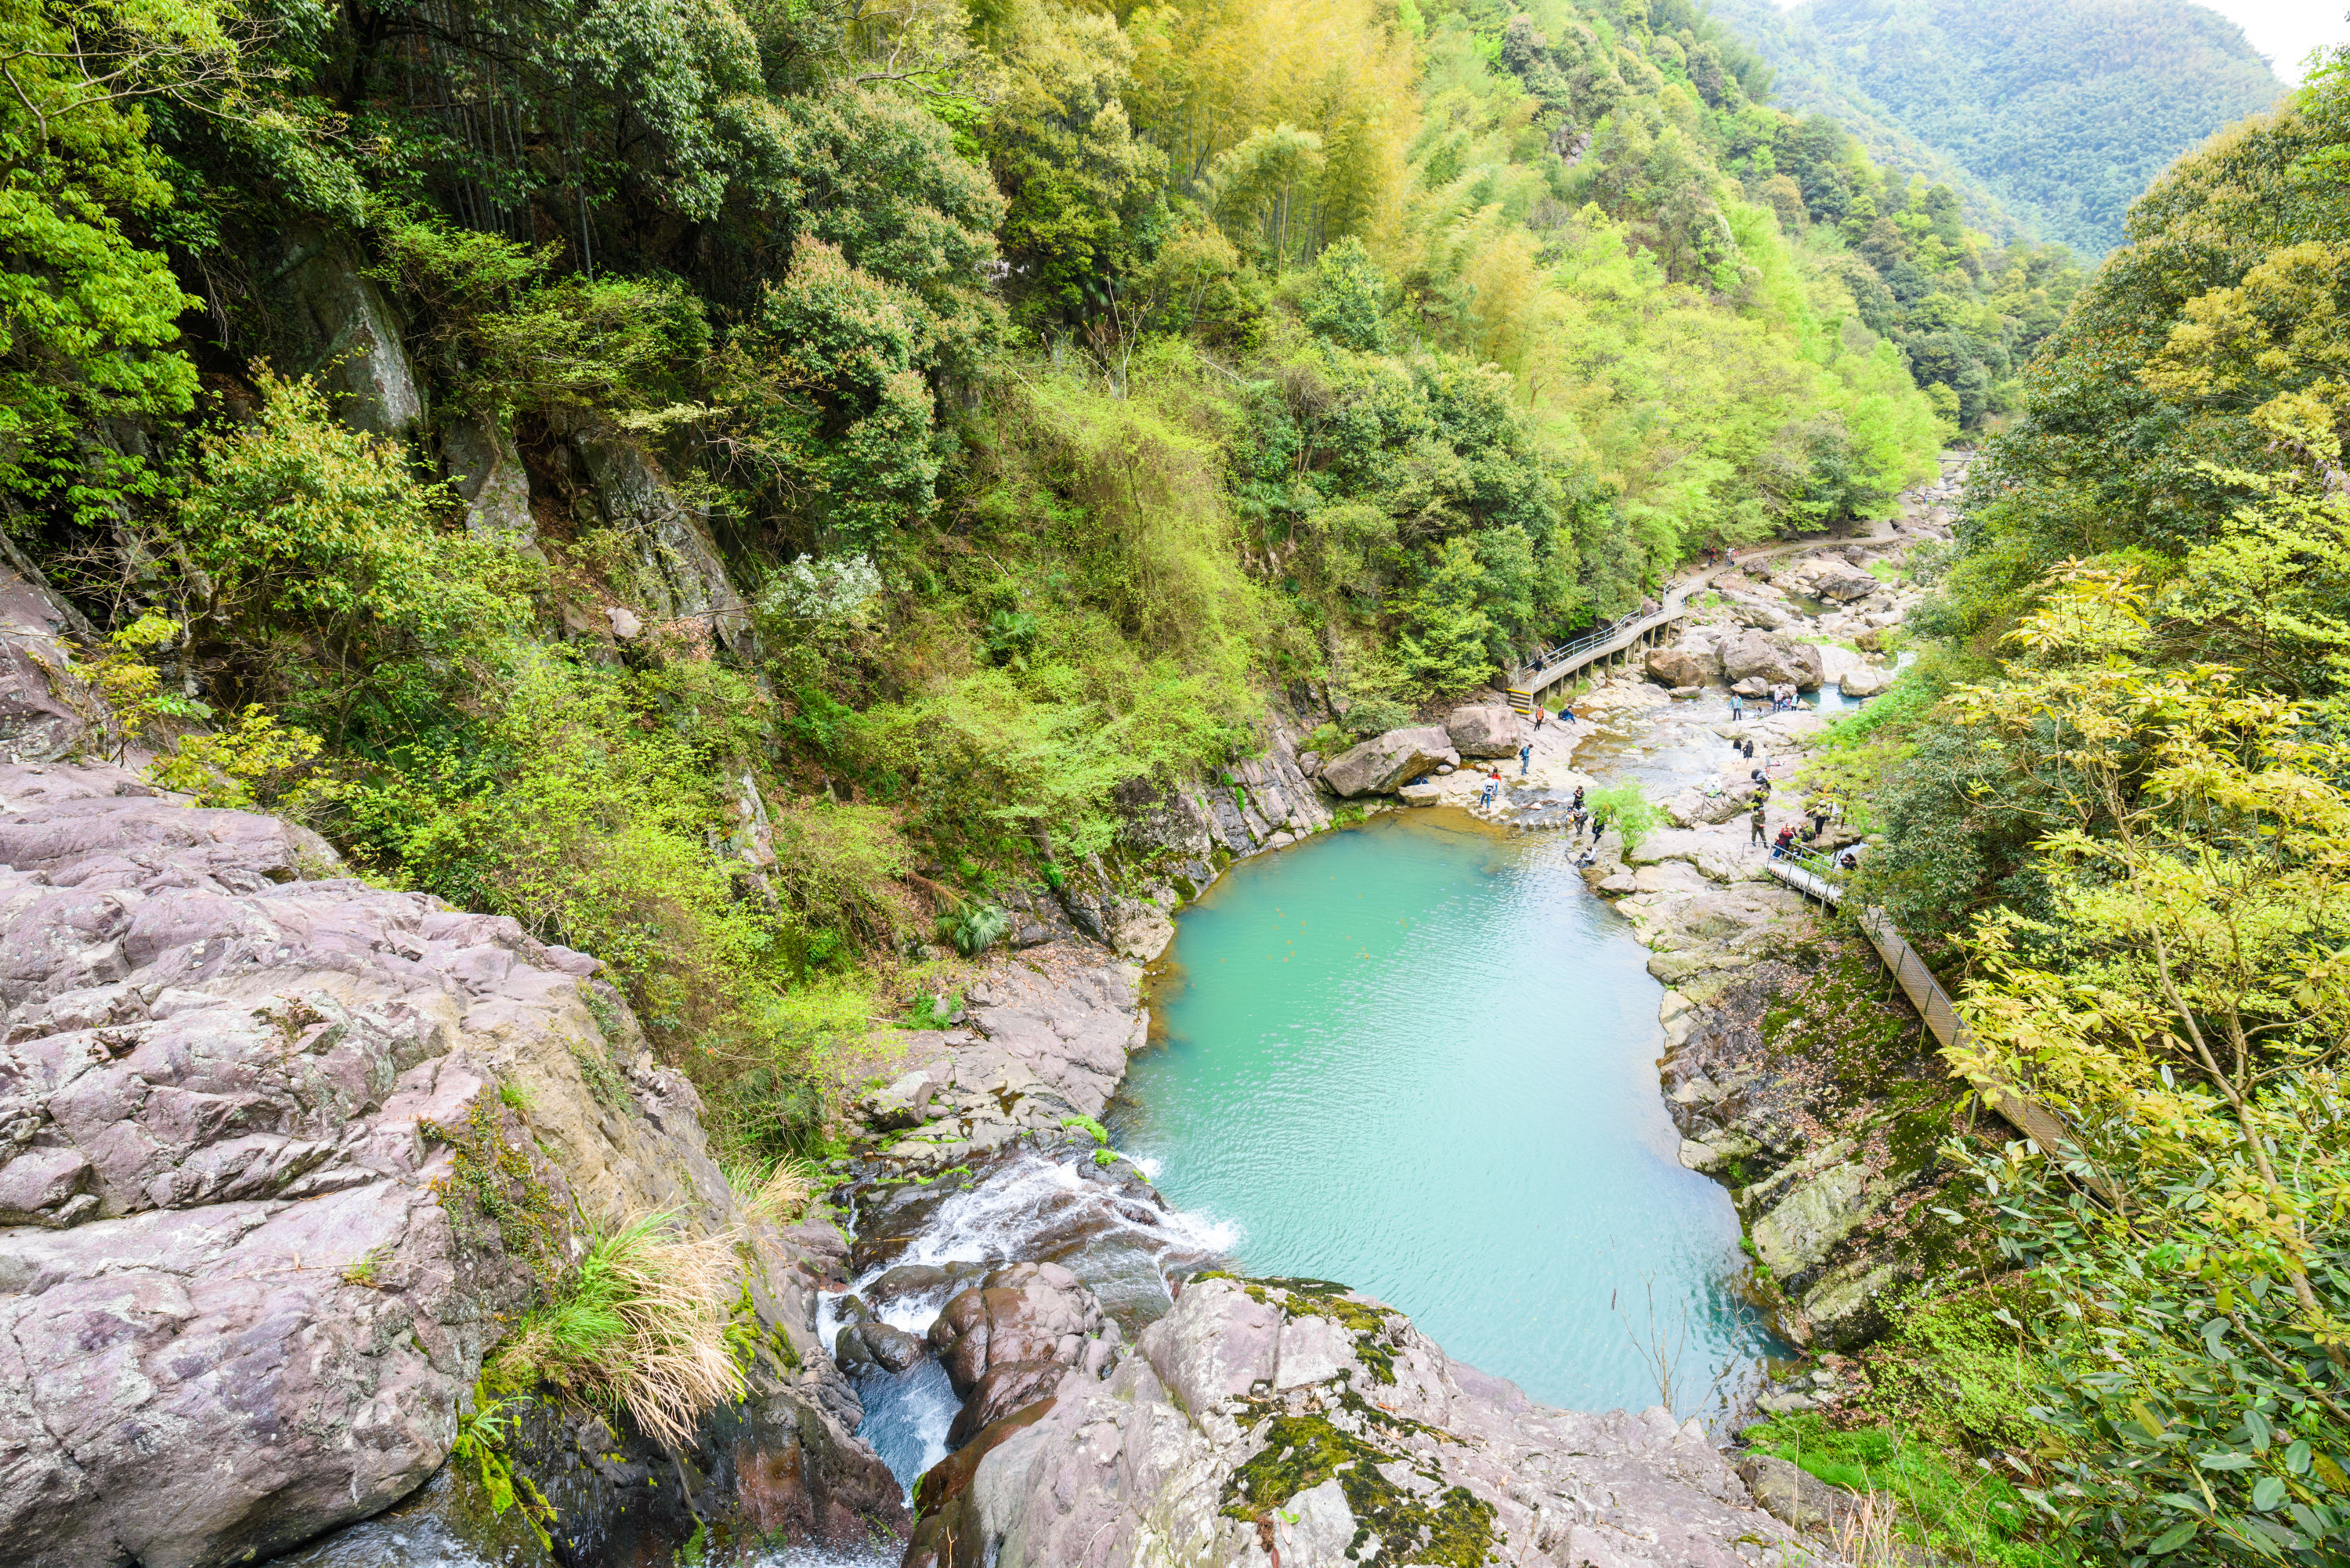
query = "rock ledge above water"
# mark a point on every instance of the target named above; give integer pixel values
(1301, 1417)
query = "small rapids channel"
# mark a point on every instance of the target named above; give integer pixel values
(915, 1243)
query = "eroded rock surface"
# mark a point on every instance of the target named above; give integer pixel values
(277, 1150)
(1044, 1040)
(1297, 1417)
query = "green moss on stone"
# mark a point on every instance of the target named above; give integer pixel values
(1374, 1337)
(1445, 1525)
(493, 1187)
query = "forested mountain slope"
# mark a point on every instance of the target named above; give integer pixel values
(2111, 804)
(2062, 112)
(594, 458)
(1805, 80)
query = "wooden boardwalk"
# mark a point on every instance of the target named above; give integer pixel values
(1553, 665)
(1816, 877)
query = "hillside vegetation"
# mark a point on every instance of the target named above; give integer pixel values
(2060, 113)
(2112, 795)
(738, 488)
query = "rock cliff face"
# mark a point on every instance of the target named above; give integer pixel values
(1300, 1424)
(276, 1149)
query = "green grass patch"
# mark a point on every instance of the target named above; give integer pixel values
(1952, 1506)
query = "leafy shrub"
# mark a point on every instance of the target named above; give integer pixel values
(1347, 298)
(299, 527)
(935, 1012)
(132, 690)
(977, 928)
(503, 332)
(1375, 715)
(256, 764)
(1627, 810)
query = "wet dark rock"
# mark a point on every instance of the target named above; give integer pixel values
(950, 1530)
(1028, 1311)
(909, 1281)
(865, 1345)
(1010, 1387)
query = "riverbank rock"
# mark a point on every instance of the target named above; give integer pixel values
(1384, 762)
(1830, 578)
(1045, 1039)
(1682, 666)
(1486, 729)
(1796, 1496)
(1772, 660)
(864, 1346)
(284, 1154)
(1302, 1418)
(1866, 681)
(1191, 826)
(1027, 1312)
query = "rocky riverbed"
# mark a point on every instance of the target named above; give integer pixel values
(1797, 1077)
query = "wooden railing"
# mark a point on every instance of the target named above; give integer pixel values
(1819, 877)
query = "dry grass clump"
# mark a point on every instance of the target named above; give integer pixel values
(775, 1191)
(642, 1325)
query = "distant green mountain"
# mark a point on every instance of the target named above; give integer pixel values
(2061, 110)
(1806, 81)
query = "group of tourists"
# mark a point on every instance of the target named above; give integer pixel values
(1810, 829)
(1784, 695)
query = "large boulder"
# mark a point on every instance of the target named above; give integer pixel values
(1307, 1420)
(1383, 762)
(1005, 1390)
(1486, 729)
(1750, 656)
(280, 1157)
(1755, 613)
(1816, 1211)
(1811, 672)
(1842, 582)
(1036, 1047)
(325, 316)
(1866, 681)
(1682, 666)
(1027, 1312)
(487, 473)
(869, 1347)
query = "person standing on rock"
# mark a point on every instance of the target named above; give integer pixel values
(1750, 751)
(1737, 707)
(1578, 798)
(1760, 837)
(1525, 758)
